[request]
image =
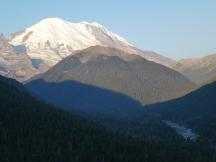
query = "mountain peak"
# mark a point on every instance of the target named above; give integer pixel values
(52, 19)
(52, 39)
(56, 20)
(77, 35)
(49, 24)
(96, 24)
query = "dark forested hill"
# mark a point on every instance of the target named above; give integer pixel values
(196, 110)
(31, 130)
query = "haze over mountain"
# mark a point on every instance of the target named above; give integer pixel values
(14, 63)
(53, 39)
(114, 70)
(198, 70)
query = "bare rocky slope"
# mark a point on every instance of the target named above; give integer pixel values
(14, 62)
(115, 70)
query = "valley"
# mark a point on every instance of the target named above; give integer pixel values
(53, 134)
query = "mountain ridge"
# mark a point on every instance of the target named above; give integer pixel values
(199, 70)
(53, 39)
(116, 70)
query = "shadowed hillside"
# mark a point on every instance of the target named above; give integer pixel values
(72, 95)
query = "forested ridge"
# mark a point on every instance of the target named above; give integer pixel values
(196, 110)
(32, 131)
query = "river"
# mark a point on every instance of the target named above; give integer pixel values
(187, 133)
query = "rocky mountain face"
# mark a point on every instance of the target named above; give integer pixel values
(198, 70)
(113, 70)
(14, 63)
(53, 39)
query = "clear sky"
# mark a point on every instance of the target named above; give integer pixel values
(174, 28)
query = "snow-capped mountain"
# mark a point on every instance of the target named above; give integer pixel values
(14, 62)
(53, 39)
